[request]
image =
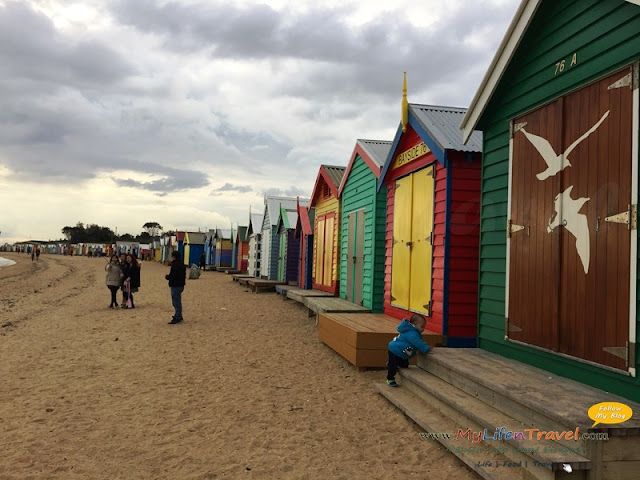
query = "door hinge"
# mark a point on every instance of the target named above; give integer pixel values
(628, 353)
(429, 239)
(509, 327)
(515, 127)
(623, 82)
(428, 307)
(630, 217)
(513, 228)
(393, 299)
(395, 241)
(636, 76)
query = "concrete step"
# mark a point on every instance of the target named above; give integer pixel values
(544, 458)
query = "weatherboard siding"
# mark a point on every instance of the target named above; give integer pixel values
(605, 36)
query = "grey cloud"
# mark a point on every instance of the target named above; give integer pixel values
(344, 60)
(229, 187)
(180, 180)
(33, 50)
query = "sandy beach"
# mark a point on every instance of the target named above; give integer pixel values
(242, 389)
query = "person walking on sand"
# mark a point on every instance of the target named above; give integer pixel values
(177, 278)
(131, 281)
(114, 279)
(37, 254)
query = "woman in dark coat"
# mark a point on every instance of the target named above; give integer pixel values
(131, 279)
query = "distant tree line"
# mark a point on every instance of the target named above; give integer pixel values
(93, 233)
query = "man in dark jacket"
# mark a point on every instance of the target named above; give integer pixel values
(177, 279)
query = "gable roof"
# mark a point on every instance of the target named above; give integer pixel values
(438, 127)
(222, 234)
(195, 238)
(501, 60)
(373, 153)
(273, 204)
(287, 218)
(241, 234)
(332, 176)
(255, 223)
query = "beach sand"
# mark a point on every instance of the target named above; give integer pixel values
(242, 389)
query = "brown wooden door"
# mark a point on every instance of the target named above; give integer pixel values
(534, 253)
(569, 287)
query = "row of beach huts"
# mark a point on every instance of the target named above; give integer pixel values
(511, 225)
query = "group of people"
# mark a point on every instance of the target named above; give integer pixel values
(123, 273)
(35, 254)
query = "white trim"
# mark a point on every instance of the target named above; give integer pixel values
(634, 233)
(508, 260)
(501, 60)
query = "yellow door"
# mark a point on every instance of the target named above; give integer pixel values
(319, 241)
(412, 250)
(328, 250)
(421, 249)
(401, 253)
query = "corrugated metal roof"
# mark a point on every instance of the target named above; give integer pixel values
(378, 150)
(223, 233)
(273, 205)
(293, 218)
(442, 124)
(335, 174)
(196, 238)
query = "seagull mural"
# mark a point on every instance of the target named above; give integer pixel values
(555, 162)
(573, 221)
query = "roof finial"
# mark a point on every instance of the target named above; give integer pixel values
(405, 104)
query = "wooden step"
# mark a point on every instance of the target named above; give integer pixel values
(480, 458)
(530, 395)
(543, 457)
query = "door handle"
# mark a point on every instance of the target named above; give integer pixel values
(409, 244)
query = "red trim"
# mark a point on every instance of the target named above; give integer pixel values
(304, 221)
(324, 176)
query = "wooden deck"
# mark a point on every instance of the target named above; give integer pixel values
(301, 294)
(237, 276)
(244, 280)
(332, 305)
(235, 272)
(363, 338)
(223, 269)
(285, 289)
(258, 285)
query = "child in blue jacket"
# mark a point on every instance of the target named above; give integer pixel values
(405, 346)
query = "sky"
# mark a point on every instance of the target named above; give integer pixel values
(187, 112)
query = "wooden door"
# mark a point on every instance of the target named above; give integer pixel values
(282, 255)
(421, 249)
(412, 249)
(401, 253)
(533, 252)
(329, 239)
(355, 256)
(319, 239)
(569, 285)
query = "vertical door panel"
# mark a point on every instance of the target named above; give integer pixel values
(319, 250)
(401, 253)
(329, 233)
(351, 254)
(421, 226)
(359, 266)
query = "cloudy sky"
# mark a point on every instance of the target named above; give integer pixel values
(186, 112)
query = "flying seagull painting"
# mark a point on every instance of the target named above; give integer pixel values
(573, 221)
(555, 162)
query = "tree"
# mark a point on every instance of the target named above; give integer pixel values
(152, 228)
